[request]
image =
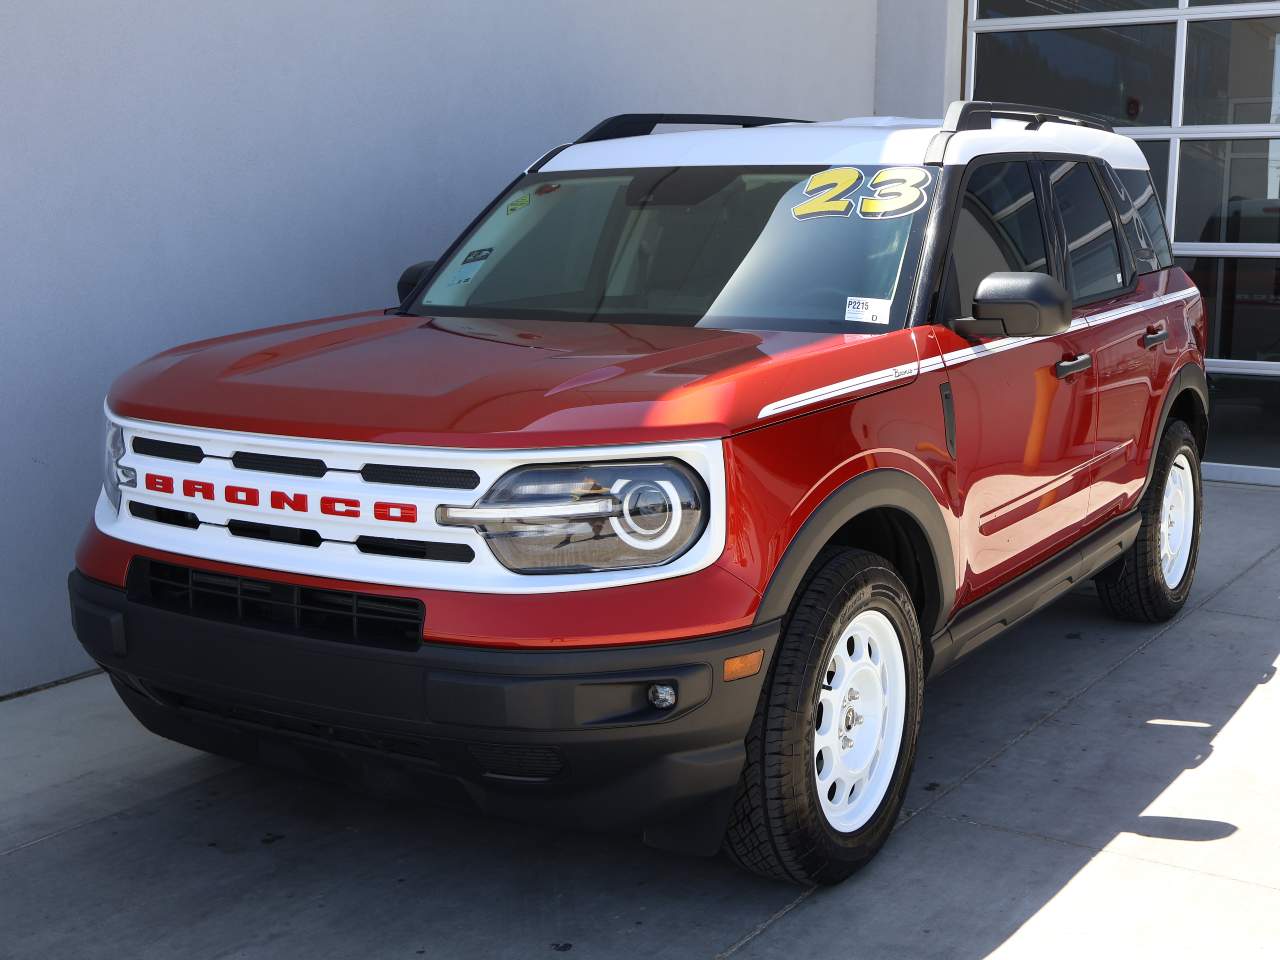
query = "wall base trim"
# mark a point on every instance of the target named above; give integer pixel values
(1241, 473)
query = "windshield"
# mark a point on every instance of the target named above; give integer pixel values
(780, 248)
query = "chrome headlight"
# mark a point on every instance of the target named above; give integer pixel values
(577, 518)
(114, 475)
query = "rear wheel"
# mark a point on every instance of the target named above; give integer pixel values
(834, 738)
(1151, 582)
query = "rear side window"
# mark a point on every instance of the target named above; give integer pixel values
(1093, 254)
(1146, 200)
(998, 228)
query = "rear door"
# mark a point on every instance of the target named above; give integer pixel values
(1024, 429)
(1129, 332)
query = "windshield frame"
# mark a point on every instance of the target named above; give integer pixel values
(913, 259)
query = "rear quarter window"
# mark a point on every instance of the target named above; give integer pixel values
(1145, 200)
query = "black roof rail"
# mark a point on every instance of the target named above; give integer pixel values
(977, 115)
(643, 124)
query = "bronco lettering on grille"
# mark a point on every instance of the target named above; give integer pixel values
(282, 500)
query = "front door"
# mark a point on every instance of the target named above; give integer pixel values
(1025, 423)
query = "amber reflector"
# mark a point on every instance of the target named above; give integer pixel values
(743, 665)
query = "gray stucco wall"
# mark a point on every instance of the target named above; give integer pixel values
(919, 56)
(171, 171)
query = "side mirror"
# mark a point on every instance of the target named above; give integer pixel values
(1017, 305)
(409, 279)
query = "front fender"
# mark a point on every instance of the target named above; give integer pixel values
(875, 488)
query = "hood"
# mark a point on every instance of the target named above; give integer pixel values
(464, 382)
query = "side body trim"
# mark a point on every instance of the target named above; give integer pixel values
(909, 371)
(991, 615)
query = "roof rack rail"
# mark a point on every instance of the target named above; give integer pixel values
(643, 124)
(977, 115)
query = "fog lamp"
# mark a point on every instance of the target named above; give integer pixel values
(662, 695)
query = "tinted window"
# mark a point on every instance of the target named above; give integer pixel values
(1242, 420)
(1157, 154)
(1229, 75)
(1092, 252)
(1132, 191)
(1242, 301)
(1228, 191)
(1123, 73)
(1144, 193)
(1040, 8)
(780, 248)
(998, 228)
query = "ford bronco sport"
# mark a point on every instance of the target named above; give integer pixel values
(658, 497)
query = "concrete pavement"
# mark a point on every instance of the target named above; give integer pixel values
(1084, 787)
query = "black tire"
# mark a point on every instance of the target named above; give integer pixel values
(778, 828)
(1134, 587)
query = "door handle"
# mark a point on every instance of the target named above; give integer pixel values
(1155, 336)
(1065, 368)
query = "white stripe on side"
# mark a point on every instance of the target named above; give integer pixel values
(908, 371)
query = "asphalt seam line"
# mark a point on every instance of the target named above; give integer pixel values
(764, 925)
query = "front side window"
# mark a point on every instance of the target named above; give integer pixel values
(998, 229)
(1093, 254)
(783, 248)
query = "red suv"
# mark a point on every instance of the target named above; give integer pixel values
(659, 496)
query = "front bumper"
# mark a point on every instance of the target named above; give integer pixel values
(565, 736)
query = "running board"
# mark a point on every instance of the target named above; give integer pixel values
(983, 619)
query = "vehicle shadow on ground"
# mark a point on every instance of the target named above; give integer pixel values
(1043, 734)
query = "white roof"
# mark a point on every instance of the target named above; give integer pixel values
(869, 140)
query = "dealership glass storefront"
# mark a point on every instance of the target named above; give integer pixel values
(1197, 83)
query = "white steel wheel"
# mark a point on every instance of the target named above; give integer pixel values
(1152, 579)
(859, 721)
(1177, 521)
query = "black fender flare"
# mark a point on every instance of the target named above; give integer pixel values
(880, 487)
(1190, 376)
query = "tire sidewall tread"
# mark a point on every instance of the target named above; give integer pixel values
(778, 828)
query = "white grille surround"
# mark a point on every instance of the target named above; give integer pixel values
(337, 556)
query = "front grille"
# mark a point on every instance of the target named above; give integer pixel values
(270, 463)
(274, 532)
(421, 476)
(503, 761)
(416, 549)
(517, 761)
(176, 518)
(420, 748)
(186, 452)
(339, 615)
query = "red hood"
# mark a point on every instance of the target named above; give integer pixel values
(490, 383)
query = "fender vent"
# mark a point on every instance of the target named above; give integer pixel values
(421, 476)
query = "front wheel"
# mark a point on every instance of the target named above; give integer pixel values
(834, 738)
(1150, 583)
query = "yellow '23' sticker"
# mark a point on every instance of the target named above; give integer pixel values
(893, 192)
